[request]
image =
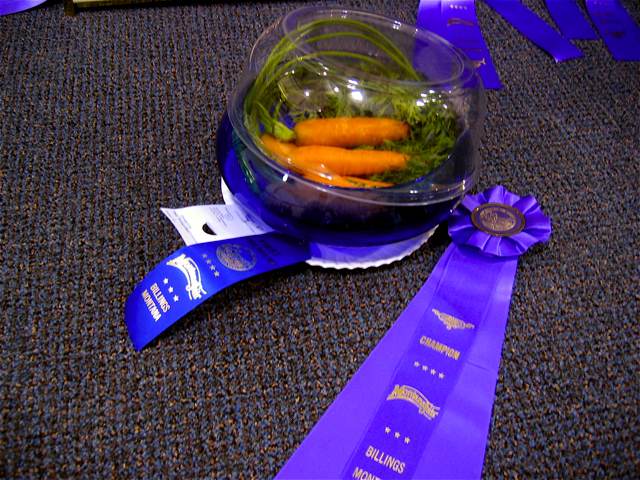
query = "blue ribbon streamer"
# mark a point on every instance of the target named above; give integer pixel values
(535, 29)
(465, 287)
(618, 30)
(464, 424)
(195, 273)
(569, 19)
(456, 21)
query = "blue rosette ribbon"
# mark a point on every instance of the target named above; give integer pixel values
(420, 405)
(499, 223)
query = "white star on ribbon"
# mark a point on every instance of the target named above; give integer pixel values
(387, 429)
(217, 274)
(397, 434)
(407, 439)
(170, 289)
(425, 368)
(433, 372)
(416, 364)
(165, 281)
(441, 375)
(175, 298)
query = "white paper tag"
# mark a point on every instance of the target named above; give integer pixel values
(223, 221)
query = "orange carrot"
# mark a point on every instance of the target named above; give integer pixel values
(279, 149)
(285, 153)
(349, 131)
(358, 163)
(311, 163)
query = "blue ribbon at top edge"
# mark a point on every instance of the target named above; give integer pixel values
(568, 17)
(456, 21)
(535, 29)
(8, 7)
(619, 31)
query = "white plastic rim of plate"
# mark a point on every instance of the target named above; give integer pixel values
(350, 258)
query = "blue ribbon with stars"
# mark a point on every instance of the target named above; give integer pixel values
(195, 273)
(412, 406)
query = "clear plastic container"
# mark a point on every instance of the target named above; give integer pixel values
(335, 64)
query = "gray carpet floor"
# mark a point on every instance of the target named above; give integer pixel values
(109, 115)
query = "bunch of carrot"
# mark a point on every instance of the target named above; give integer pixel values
(323, 150)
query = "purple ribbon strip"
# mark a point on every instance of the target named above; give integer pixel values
(456, 21)
(535, 29)
(569, 19)
(360, 436)
(620, 33)
(8, 7)
(416, 397)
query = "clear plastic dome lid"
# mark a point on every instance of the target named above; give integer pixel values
(361, 106)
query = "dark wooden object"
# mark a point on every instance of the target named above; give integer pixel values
(71, 6)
